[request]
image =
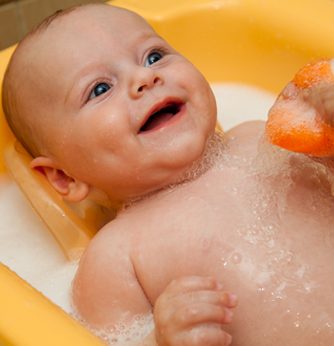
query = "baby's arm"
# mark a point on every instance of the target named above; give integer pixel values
(105, 288)
(190, 311)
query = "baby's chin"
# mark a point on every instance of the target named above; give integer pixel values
(210, 157)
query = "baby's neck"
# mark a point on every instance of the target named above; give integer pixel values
(211, 156)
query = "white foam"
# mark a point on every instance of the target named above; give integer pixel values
(127, 335)
(27, 248)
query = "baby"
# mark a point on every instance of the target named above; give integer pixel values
(111, 112)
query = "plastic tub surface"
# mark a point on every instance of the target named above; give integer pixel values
(258, 42)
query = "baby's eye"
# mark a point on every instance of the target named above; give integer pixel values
(99, 90)
(152, 58)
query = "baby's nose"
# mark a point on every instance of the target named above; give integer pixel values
(142, 79)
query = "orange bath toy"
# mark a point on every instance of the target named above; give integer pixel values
(299, 120)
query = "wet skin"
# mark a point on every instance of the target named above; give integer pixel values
(261, 239)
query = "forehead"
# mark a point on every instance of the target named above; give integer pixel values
(96, 23)
(88, 34)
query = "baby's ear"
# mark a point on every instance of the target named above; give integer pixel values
(69, 188)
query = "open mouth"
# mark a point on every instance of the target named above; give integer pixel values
(161, 116)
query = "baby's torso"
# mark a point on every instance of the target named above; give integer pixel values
(266, 233)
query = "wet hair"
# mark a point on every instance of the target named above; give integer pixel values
(13, 109)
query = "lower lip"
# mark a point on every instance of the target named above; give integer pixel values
(172, 120)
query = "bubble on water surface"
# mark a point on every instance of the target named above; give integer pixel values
(128, 335)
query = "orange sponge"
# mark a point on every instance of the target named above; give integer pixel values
(294, 122)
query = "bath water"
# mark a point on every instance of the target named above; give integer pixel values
(27, 248)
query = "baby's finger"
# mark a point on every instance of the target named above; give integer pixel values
(220, 298)
(208, 337)
(196, 314)
(192, 283)
(203, 335)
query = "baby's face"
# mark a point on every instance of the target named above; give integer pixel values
(129, 113)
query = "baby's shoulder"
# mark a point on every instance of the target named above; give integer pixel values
(115, 240)
(112, 235)
(245, 135)
(246, 129)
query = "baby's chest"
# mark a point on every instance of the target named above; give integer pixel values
(244, 236)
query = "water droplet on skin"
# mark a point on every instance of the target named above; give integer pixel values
(242, 231)
(270, 243)
(271, 227)
(236, 258)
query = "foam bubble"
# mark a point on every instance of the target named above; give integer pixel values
(124, 334)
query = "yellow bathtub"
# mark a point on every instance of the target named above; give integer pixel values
(258, 42)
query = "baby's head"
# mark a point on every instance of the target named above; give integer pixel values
(105, 106)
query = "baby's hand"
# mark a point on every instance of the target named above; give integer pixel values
(192, 311)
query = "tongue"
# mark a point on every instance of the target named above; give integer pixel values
(157, 119)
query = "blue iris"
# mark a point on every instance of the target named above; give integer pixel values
(152, 58)
(99, 90)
